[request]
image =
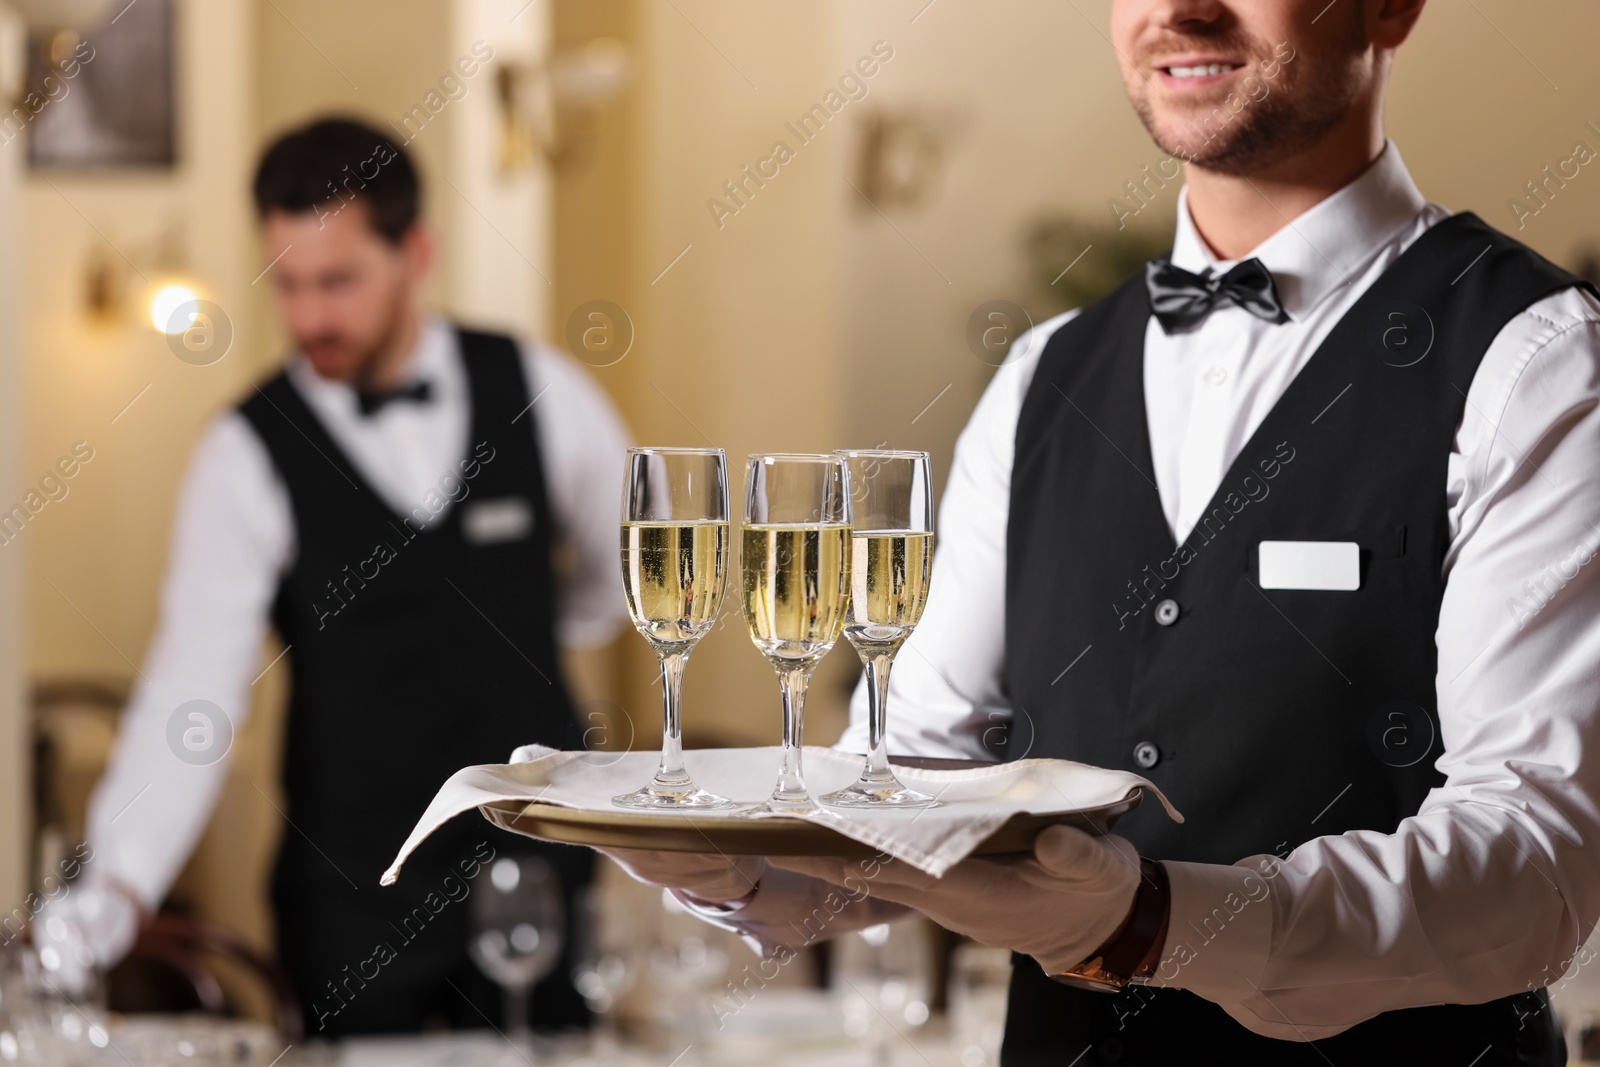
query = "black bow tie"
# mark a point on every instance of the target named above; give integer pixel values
(1179, 299)
(372, 401)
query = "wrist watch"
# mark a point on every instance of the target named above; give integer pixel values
(1130, 955)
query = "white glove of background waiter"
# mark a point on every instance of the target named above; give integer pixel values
(1058, 904)
(86, 930)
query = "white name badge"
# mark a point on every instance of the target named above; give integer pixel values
(1333, 565)
(487, 522)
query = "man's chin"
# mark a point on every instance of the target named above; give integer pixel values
(1180, 128)
(338, 367)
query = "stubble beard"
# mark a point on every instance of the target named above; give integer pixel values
(1302, 104)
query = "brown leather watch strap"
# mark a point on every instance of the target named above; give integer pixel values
(1129, 953)
(1133, 951)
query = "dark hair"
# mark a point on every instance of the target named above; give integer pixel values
(341, 158)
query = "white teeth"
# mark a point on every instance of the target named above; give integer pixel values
(1201, 72)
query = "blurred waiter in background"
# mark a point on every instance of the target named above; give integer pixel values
(423, 535)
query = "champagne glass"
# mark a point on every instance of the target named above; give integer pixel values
(793, 559)
(675, 569)
(604, 971)
(517, 927)
(891, 556)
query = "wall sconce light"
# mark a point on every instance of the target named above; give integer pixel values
(900, 156)
(110, 280)
(551, 108)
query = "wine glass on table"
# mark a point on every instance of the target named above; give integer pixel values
(605, 967)
(794, 550)
(517, 927)
(891, 557)
(674, 570)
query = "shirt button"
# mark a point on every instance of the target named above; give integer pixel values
(1167, 612)
(1217, 375)
(1146, 755)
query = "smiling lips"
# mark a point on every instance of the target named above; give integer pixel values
(1205, 70)
(1185, 75)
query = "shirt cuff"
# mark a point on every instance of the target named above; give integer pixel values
(1220, 932)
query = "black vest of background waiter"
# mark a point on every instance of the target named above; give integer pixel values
(1252, 709)
(416, 649)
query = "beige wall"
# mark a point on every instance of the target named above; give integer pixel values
(94, 558)
(736, 344)
(1477, 119)
(15, 779)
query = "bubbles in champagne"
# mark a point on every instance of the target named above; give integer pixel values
(674, 575)
(796, 589)
(888, 587)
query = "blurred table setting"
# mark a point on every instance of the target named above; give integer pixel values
(662, 988)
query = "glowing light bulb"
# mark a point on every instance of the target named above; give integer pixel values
(166, 301)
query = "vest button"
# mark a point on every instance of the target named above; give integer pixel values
(1111, 1050)
(1167, 612)
(1146, 755)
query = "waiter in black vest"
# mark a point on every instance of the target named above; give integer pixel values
(413, 506)
(1300, 524)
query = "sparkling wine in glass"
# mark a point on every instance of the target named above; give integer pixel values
(674, 569)
(794, 553)
(891, 557)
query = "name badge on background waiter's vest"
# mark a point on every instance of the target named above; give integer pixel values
(489, 522)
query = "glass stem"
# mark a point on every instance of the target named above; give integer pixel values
(877, 769)
(791, 781)
(672, 771)
(515, 1007)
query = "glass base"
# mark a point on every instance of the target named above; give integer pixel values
(776, 805)
(871, 793)
(671, 796)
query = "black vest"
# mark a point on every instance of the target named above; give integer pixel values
(416, 648)
(1269, 717)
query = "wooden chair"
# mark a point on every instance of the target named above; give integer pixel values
(187, 948)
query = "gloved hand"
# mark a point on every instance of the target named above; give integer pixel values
(84, 932)
(1057, 904)
(708, 876)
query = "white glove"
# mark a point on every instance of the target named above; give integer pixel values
(85, 932)
(704, 876)
(1057, 905)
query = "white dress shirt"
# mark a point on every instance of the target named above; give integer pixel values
(1494, 884)
(234, 537)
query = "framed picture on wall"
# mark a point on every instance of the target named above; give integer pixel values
(104, 97)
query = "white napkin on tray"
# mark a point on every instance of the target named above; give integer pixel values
(972, 803)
